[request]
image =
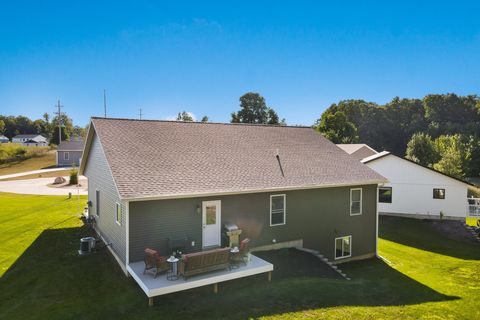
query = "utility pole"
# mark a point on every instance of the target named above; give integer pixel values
(59, 114)
(105, 103)
(140, 113)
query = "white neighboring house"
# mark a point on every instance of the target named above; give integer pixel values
(359, 150)
(417, 191)
(29, 140)
(3, 139)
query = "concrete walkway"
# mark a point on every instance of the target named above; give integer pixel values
(40, 187)
(14, 175)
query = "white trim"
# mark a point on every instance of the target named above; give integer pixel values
(266, 190)
(335, 247)
(66, 156)
(117, 206)
(218, 204)
(82, 168)
(284, 209)
(160, 286)
(376, 224)
(361, 201)
(391, 193)
(127, 232)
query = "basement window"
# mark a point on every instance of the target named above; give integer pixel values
(343, 247)
(355, 201)
(438, 193)
(385, 195)
(277, 209)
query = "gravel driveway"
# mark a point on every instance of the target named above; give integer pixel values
(41, 186)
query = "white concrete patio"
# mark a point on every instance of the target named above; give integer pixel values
(160, 286)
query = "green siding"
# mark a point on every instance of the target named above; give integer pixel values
(317, 216)
(100, 178)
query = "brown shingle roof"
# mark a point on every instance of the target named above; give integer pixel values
(168, 158)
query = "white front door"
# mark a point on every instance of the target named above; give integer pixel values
(211, 213)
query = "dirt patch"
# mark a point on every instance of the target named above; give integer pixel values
(453, 230)
(294, 263)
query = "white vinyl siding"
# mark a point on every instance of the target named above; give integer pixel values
(277, 210)
(343, 247)
(355, 201)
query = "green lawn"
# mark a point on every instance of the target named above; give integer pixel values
(428, 277)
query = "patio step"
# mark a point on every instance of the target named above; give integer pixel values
(322, 258)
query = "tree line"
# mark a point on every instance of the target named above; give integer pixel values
(11, 126)
(441, 131)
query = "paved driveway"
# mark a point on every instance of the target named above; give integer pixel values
(41, 186)
(26, 173)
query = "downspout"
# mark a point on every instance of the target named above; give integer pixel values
(127, 234)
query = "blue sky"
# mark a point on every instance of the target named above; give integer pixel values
(165, 57)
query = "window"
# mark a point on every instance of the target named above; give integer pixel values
(343, 247)
(97, 202)
(118, 213)
(277, 209)
(438, 193)
(66, 156)
(355, 201)
(385, 194)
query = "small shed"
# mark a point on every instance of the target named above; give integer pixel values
(69, 153)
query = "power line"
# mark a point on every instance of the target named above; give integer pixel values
(140, 114)
(59, 114)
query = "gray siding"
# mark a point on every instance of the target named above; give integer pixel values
(100, 178)
(74, 158)
(317, 216)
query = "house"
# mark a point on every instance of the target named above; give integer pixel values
(358, 151)
(4, 139)
(417, 191)
(69, 152)
(282, 186)
(29, 140)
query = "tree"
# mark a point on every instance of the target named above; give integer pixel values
(67, 126)
(452, 151)
(185, 116)
(79, 132)
(336, 128)
(204, 119)
(2, 126)
(54, 139)
(421, 149)
(451, 163)
(253, 109)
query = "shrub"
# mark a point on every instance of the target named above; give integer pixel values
(73, 176)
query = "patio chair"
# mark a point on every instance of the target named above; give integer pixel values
(155, 262)
(242, 255)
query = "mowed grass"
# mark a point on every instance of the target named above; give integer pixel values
(46, 160)
(427, 277)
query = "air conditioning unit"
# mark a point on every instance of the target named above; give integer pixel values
(87, 244)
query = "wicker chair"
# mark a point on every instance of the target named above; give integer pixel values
(242, 255)
(155, 263)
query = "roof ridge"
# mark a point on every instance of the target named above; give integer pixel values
(205, 123)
